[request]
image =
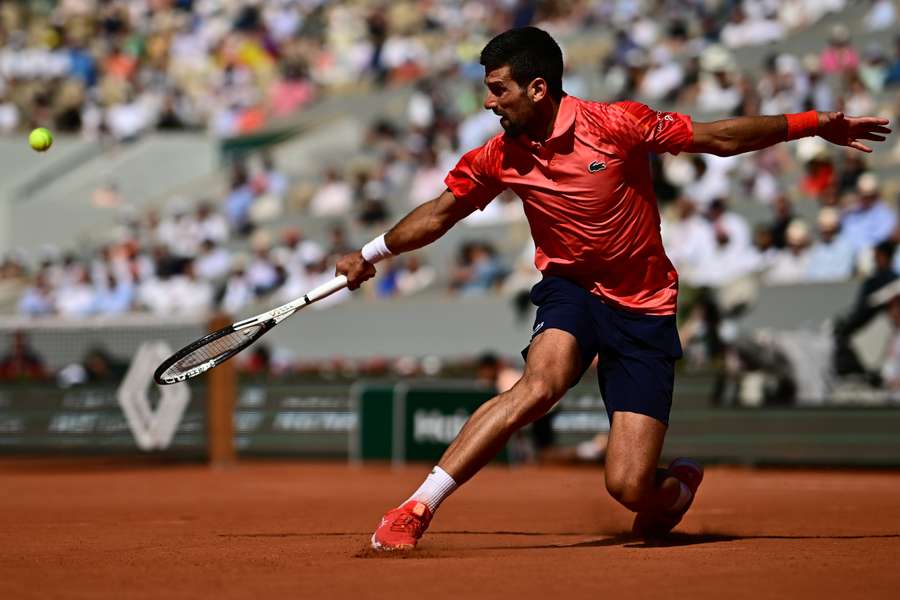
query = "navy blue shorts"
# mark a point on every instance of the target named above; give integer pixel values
(637, 353)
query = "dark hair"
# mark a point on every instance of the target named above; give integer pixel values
(529, 53)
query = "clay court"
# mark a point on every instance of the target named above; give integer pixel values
(106, 529)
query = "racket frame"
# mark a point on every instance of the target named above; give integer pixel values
(266, 320)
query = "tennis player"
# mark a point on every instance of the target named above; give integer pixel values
(581, 170)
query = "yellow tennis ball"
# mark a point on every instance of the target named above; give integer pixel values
(40, 139)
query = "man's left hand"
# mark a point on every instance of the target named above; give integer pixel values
(847, 131)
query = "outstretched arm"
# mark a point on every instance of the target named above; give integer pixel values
(744, 134)
(423, 225)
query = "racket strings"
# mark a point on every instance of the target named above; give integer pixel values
(215, 349)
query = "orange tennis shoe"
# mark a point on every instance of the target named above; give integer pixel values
(651, 525)
(401, 528)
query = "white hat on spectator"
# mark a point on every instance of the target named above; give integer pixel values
(839, 34)
(867, 184)
(787, 64)
(810, 148)
(797, 233)
(716, 58)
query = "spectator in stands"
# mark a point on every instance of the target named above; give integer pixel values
(742, 30)
(414, 276)
(386, 282)
(261, 272)
(890, 366)
(372, 195)
(873, 71)
(101, 366)
(729, 260)
(238, 292)
(863, 310)
(791, 264)
(189, 293)
(9, 114)
(478, 270)
(338, 244)
(688, 238)
(212, 225)
(881, 15)
(38, 301)
(819, 177)
(719, 89)
(213, 263)
(663, 78)
(113, 295)
(870, 221)
(303, 251)
(428, 179)
(334, 198)
(707, 183)
(277, 182)
(76, 299)
(733, 224)
(21, 363)
(13, 281)
(782, 216)
(239, 200)
(831, 258)
(857, 97)
(852, 166)
(839, 56)
(819, 93)
(892, 76)
(764, 245)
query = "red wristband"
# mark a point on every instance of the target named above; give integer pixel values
(801, 125)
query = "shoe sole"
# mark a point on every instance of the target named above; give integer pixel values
(692, 464)
(376, 545)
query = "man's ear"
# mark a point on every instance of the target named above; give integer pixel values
(537, 89)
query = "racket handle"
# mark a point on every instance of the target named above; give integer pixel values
(326, 289)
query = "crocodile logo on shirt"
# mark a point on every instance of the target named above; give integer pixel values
(596, 166)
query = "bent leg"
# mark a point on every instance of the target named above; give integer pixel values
(553, 364)
(632, 457)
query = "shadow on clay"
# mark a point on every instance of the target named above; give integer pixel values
(628, 540)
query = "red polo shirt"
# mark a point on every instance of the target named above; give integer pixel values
(588, 197)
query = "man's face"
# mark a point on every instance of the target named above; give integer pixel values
(508, 100)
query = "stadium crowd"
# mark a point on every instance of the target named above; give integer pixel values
(234, 57)
(125, 67)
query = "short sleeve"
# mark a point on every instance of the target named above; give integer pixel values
(474, 179)
(655, 130)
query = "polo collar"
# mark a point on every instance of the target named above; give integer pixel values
(565, 118)
(565, 121)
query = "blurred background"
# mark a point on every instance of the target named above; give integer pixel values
(215, 157)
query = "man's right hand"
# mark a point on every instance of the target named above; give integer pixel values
(356, 268)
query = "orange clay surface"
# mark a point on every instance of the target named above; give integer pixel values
(112, 529)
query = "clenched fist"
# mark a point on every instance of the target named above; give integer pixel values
(356, 268)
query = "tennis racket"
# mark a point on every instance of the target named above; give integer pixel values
(217, 347)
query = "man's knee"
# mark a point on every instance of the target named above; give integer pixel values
(631, 489)
(531, 399)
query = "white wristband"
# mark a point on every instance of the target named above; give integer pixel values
(376, 250)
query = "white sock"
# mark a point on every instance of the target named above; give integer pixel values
(436, 487)
(684, 496)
